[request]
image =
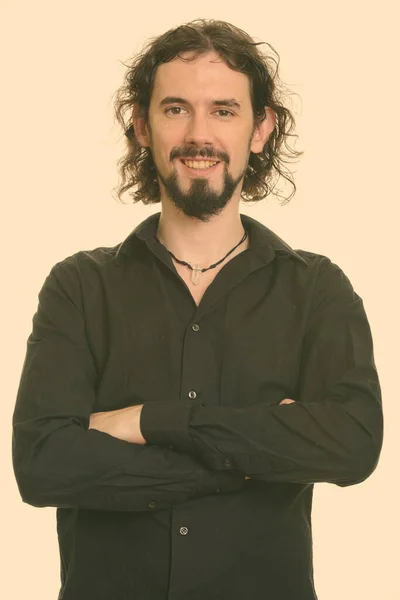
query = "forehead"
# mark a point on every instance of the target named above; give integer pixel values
(207, 72)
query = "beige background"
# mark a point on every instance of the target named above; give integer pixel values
(60, 67)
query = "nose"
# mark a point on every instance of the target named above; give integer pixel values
(199, 131)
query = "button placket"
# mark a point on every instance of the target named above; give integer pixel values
(192, 394)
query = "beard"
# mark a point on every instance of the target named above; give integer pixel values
(200, 201)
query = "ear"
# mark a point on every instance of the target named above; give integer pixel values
(140, 127)
(263, 131)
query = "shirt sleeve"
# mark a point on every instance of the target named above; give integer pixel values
(58, 461)
(332, 433)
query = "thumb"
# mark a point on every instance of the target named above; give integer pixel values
(287, 401)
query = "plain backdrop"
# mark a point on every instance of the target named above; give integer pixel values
(61, 63)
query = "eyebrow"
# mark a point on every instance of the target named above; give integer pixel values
(232, 102)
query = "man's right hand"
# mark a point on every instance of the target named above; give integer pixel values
(285, 401)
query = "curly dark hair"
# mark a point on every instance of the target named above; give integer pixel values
(239, 52)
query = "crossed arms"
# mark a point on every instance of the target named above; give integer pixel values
(162, 453)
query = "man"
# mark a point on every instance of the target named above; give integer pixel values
(182, 392)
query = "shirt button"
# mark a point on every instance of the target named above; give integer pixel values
(228, 463)
(195, 327)
(152, 504)
(192, 394)
(183, 530)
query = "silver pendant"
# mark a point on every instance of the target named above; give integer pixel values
(196, 274)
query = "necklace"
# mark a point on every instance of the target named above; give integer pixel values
(196, 270)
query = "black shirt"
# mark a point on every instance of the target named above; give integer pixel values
(175, 519)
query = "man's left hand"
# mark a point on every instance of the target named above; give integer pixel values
(123, 423)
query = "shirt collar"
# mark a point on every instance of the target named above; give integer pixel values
(263, 241)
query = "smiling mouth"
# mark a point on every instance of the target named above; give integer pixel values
(199, 166)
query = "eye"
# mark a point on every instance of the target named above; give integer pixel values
(220, 110)
(226, 111)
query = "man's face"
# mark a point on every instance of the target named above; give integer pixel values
(195, 127)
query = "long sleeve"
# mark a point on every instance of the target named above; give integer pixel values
(332, 433)
(57, 460)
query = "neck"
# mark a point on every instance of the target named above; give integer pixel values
(201, 243)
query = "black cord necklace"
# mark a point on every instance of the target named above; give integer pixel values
(196, 271)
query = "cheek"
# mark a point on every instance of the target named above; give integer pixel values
(164, 144)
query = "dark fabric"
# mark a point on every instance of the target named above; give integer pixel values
(175, 519)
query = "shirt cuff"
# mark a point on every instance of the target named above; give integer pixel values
(166, 423)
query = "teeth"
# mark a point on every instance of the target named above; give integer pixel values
(199, 164)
